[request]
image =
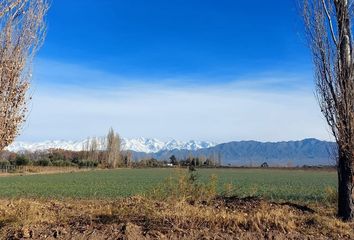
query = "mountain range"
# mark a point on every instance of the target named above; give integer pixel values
(146, 145)
(253, 153)
(241, 153)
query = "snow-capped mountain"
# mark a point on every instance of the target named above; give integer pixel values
(147, 145)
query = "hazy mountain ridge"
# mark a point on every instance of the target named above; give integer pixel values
(245, 153)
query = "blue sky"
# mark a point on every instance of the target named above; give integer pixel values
(185, 69)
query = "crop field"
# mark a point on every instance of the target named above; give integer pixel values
(292, 185)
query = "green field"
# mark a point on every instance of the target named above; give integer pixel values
(296, 185)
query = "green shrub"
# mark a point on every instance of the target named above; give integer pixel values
(44, 162)
(21, 160)
(4, 163)
(63, 163)
(87, 163)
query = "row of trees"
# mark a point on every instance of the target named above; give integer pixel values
(96, 154)
(104, 153)
(52, 157)
(200, 161)
(107, 151)
(58, 157)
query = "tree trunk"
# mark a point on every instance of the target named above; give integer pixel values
(345, 187)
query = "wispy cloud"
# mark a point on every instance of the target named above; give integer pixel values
(87, 102)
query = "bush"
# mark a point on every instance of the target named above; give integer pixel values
(62, 163)
(4, 163)
(186, 187)
(87, 163)
(75, 160)
(21, 160)
(44, 162)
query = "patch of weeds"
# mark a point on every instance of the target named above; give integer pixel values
(330, 195)
(186, 187)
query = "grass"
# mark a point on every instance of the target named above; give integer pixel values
(272, 184)
(144, 218)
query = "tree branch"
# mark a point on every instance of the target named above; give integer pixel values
(9, 8)
(330, 23)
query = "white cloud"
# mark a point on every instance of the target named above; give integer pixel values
(251, 109)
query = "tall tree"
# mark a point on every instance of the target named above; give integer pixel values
(22, 30)
(113, 149)
(329, 31)
(91, 149)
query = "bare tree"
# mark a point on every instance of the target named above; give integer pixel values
(22, 31)
(91, 149)
(86, 148)
(113, 149)
(127, 158)
(94, 150)
(328, 27)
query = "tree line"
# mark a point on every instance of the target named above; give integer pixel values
(197, 161)
(103, 153)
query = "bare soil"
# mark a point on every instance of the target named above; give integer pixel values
(141, 218)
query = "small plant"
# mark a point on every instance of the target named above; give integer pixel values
(186, 187)
(330, 194)
(228, 190)
(210, 189)
(253, 190)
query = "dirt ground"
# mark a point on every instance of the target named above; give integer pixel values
(141, 218)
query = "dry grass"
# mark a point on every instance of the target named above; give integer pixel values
(142, 218)
(186, 187)
(34, 170)
(331, 195)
